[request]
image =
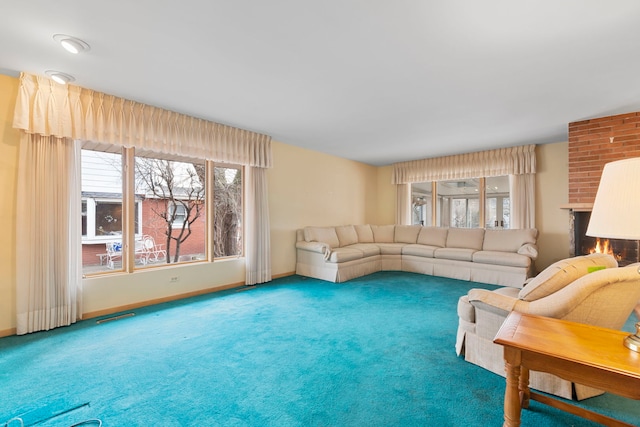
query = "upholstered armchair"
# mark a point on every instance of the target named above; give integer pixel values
(589, 289)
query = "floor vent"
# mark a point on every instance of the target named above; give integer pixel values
(109, 319)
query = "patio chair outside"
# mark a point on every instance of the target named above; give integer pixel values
(114, 253)
(155, 252)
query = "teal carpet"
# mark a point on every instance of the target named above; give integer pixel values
(376, 351)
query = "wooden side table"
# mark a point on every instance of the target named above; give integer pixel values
(584, 354)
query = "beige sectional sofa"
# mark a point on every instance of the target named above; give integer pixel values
(338, 254)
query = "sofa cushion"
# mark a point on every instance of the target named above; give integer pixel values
(347, 235)
(368, 249)
(508, 240)
(419, 250)
(365, 233)
(433, 236)
(406, 233)
(390, 248)
(467, 238)
(561, 273)
(322, 234)
(509, 259)
(383, 233)
(345, 254)
(459, 254)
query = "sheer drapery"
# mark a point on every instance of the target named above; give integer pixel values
(48, 267)
(66, 111)
(403, 204)
(523, 200)
(517, 162)
(503, 161)
(258, 267)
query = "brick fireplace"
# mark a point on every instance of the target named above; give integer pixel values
(592, 144)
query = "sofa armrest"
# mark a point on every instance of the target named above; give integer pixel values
(529, 249)
(318, 247)
(492, 301)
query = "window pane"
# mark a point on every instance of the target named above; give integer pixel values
(490, 215)
(497, 206)
(101, 211)
(227, 217)
(421, 203)
(473, 212)
(506, 212)
(458, 203)
(172, 195)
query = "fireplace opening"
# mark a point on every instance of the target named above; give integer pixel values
(624, 251)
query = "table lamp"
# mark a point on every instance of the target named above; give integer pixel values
(616, 212)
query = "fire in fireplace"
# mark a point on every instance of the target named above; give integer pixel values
(604, 247)
(624, 251)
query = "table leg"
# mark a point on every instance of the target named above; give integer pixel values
(523, 385)
(512, 404)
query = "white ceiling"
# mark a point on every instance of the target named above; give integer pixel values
(378, 81)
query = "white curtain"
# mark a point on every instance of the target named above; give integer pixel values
(48, 266)
(500, 162)
(522, 189)
(258, 256)
(47, 108)
(403, 204)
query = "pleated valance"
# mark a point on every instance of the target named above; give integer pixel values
(502, 161)
(50, 109)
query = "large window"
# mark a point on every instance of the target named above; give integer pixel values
(158, 215)
(462, 203)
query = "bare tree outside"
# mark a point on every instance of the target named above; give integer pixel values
(179, 187)
(227, 227)
(227, 205)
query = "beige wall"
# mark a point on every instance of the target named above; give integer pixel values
(311, 188)
(305, 188)
(9, 139)
(552, 191)
(385, 206)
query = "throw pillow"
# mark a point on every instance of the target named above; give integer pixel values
(561, 273)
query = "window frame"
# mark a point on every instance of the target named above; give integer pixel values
(133, 214)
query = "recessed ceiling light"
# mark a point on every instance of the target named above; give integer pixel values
(59, 77)
(71, 44)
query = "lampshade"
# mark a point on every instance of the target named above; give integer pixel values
(616, 210)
